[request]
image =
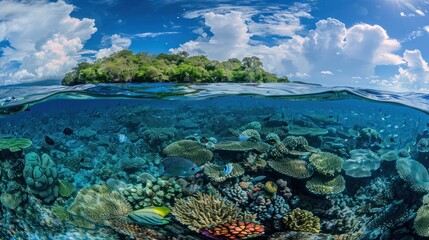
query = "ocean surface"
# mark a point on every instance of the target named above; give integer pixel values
(218, 161)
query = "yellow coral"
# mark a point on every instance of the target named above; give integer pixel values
(189, 149)
(302, 220)
(204, 210)
(271, 187)
(325, 186)
(98, 203)
(292, 167)
(326, 163)
(215, 172)
(421, 221)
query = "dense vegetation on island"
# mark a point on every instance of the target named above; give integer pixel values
(124, 66)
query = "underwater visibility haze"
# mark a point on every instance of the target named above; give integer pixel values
(220, 161)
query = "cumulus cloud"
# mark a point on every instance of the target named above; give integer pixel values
(44, 41)
(117, 43)
(414, 74)
(331, 50)
(154, 34)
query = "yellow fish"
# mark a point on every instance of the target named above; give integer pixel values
(151, 215)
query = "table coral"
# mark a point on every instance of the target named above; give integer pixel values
(216, 174)
(414, 174)
(299, 169)
(302, 220)
(326, 163)
(325, 185)
(189, 149)
(204, 210)
(361, 163)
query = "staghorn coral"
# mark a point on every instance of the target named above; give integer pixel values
(326, 163)
(361, 163)
(299, 169)
(270, 187)
(158, 192)
(98, 203)
(414, 174)
(252, 134)
(204, 210)
(234, 230)
(41, 176)
(189, 149)
(14, 144)
(326, 185)
(302, 220)
(215, 172)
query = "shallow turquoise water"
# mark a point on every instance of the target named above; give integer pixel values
(122, 133)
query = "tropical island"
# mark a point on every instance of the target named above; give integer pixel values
(126, 67)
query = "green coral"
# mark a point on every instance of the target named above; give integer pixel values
(204, 210)
(66, 189)
(41, 176)
(326, 163)
(326, 185)
(189, 149)
(215, 172)
(14, 144)
(242, 146)
(295, 168)
(61, 213)
(156, 192)
(302, 220)
(421, 221)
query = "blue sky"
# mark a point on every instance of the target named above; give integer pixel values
(363, 43)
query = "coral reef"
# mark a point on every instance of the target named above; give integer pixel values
(302, 220)
(421, 221)
(269, 209)
(299, 169)
(361, 163)
(235, 230)
(271, 187)
(14, 144)
(189, 149)
(423, 145)
(414, 174)
(41, 176)
(66, 189)
(236, 193)
(215, 172)
(204, 210)
(252, 134)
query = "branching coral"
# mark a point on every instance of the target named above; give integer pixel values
(324, 185)
(216, 174)
(189, 149)
(299, 169)
(204, 211)
(302, 220)
(326, 163)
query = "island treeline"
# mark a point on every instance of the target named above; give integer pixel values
(124, 66)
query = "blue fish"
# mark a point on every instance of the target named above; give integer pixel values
(151, 216)
(179, 167)
(228, 168)
(243, 138)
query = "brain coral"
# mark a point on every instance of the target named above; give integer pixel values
(293, 168)
(326, 163)
(325, 186)
(189, 149)
(361, 162)
(414, 174)
(302, 220)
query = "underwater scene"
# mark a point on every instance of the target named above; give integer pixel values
(222, 161)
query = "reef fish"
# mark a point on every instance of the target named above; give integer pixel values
(228, 168)
(151, 215)
(179, 167)
(67, 131)
(49, 140)
(122, 138)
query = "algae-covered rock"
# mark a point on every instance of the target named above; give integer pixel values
(41, 176)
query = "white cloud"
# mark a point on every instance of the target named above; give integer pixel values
(117, 43)
(414, 75)
(346, 52)
(154, 34)
(44, 40)
(326, 72)
(420, 12)
(426, 28)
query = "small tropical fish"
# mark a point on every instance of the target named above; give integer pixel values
(258, 178)
(243, 138)
(49, 140)
(151, 216)
(228, 168)
(179, 167)
(67, 131)
(122, 138)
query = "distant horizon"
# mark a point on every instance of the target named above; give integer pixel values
(364, 44)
